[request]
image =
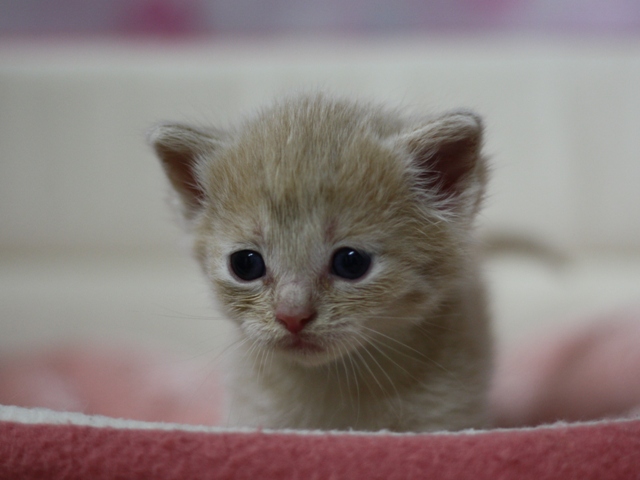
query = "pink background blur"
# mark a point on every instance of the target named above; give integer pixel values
(197, 17)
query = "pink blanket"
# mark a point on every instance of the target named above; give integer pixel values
(587, 373)
(71, 451)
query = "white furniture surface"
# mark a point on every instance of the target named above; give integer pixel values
(89, 248)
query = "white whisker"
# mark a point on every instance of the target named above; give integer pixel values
(425, 357)
(366, 365)
(382, 369)
(357, 384)
(387, 337)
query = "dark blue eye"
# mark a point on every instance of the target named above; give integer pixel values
(247, 265)
(350, 263)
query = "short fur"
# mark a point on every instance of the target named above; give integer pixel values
(405, 348)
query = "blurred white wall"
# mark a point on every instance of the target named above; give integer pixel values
(562, 128)
(88, 245)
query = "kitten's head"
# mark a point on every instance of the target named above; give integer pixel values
(325, 224)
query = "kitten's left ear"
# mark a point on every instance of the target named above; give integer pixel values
(446, 153)
(182, 148)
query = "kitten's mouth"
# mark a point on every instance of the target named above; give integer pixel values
(302, 345)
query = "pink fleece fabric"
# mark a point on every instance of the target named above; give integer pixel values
(585, 373)
(120, 382)
(69, 452)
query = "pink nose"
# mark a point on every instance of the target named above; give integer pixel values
(295, 323)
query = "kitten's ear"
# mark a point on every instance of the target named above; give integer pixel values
(181, 148)
(446, 151)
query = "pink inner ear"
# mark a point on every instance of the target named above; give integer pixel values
(445, 167)
(184, 174)
(180, 167)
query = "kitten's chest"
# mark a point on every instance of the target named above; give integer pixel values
(339, 397)
(324, 405)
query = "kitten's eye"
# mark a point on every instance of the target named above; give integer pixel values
(350, 263)
(247, 265)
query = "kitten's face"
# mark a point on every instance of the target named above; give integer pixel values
(315, 235)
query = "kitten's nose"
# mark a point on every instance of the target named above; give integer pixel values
(295, 323)
(294, 308)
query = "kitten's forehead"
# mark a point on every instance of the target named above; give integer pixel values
(319, 162)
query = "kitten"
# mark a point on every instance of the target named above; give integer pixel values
(338, 236)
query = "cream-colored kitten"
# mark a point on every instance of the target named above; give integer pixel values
(338, 237)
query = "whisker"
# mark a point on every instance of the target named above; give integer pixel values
(383, 370)
(366, 365)
(387, 337)
(420, 320)
(426, 358)
(333, 350)
(355, 379)
(254, 351)
(342, 361)
(263, 354)
(236, 344)
(377, 344)
(250, 353)
(271, 355)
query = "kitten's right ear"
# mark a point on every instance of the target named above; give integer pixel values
(181, 148)
(446, 152)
